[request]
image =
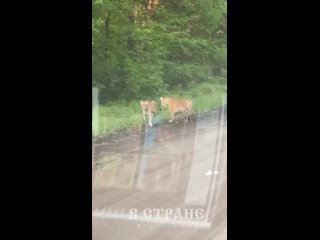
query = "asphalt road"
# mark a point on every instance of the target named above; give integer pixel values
(177, 168)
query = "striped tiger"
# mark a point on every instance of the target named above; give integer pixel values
(176, 106)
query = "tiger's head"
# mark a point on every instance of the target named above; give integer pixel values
(144, 105)
(165, 101)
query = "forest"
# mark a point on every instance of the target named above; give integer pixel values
(144, 49)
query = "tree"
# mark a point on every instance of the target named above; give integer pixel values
(141, 48)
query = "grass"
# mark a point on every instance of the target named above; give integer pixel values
(121, 115)
(113, 117)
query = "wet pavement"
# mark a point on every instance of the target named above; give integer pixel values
(165, 182)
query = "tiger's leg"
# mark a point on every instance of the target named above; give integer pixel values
(144, 115)
(150, 119)
(188, 116)
(172, 117)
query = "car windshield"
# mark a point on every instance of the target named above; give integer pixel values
(159, 117)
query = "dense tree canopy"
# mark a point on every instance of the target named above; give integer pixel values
(142, 48)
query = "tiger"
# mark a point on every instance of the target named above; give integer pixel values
(149, 109)
(176, 106)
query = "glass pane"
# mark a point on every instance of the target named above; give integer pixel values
(159, 137)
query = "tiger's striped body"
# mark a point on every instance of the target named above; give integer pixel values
(149, 109)
(177, 105)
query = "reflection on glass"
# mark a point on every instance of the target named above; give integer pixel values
(95, 111)
(115, 170)
(202, 164)
(175, 166)
(149, 138)
(157, 171)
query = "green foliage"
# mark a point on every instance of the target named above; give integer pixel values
(141, 53)
(118, 115)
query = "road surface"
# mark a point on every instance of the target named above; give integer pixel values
(167, 182)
